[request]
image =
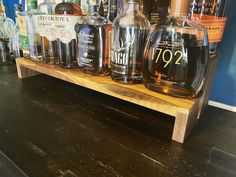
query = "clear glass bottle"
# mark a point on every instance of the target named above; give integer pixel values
(93, 36)
(67, 50)
(212, 15)
(49, 42)
(112, 10)
(176, 55)
(129, 35)
(34, 38)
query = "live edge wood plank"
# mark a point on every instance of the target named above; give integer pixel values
(185, 111)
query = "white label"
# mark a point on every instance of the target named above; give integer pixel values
(57, 27)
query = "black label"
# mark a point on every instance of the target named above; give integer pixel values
(90, 46)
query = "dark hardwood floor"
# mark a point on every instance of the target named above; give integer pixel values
(51, 128)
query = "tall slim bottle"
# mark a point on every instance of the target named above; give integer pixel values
(49, 41)
(129, 35)
(34, 38)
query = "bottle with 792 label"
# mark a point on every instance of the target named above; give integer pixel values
(176, 54)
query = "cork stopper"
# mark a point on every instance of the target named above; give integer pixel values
(179, 7)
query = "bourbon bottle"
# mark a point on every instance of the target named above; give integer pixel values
(67, 42)
(129, 34)
(93, 37)
(176, 54)
(212, 15)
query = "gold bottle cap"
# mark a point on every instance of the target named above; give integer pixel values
(179, 7)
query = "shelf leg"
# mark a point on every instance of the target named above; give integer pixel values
(24, 72)
(184, 122)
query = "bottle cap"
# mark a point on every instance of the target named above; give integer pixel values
(179, 7)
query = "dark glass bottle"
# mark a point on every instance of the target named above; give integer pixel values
(67, 49)
(112, 10)
(49, 41)
(92, 42)
(129, 34)
(212, 15)
(155, 10)
(176, 55)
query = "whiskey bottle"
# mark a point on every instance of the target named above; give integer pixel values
(67, 46)
(49, 40)
(112, 10)
(93, 42)
(212, 15)
(34, 38)
(155, 10)
(176, 55)
(129, 34)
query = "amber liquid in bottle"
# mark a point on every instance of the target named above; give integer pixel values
(67, 51)
(93, 43)
(211, 14)
(176, 55)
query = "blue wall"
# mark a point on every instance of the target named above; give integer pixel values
(224, 87)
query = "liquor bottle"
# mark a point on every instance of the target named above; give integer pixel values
(129, 34)
(155, 10)
(212, 15)
(67, 46)
(176, 54)
(93, 36)
(112, 10)
(16, 43)
(23, 33)
(49, 40)
(33, 36)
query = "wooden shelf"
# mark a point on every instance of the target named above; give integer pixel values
(185, 111)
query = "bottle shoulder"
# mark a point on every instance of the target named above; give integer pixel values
(132, 19)
(68, 8)
(47, 8)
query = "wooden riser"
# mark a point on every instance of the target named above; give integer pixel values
(185, 111)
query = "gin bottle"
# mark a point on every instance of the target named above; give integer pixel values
(176, 54)
(67, 46)
(129, 34)
(93, 37)
(49, 40)
(34, 38)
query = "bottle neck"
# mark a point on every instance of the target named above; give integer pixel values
(32, 4)
(131, 6)
(94, 9)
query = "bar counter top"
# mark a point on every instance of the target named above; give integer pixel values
(51, 128)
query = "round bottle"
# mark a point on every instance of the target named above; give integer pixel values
(176, 55)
